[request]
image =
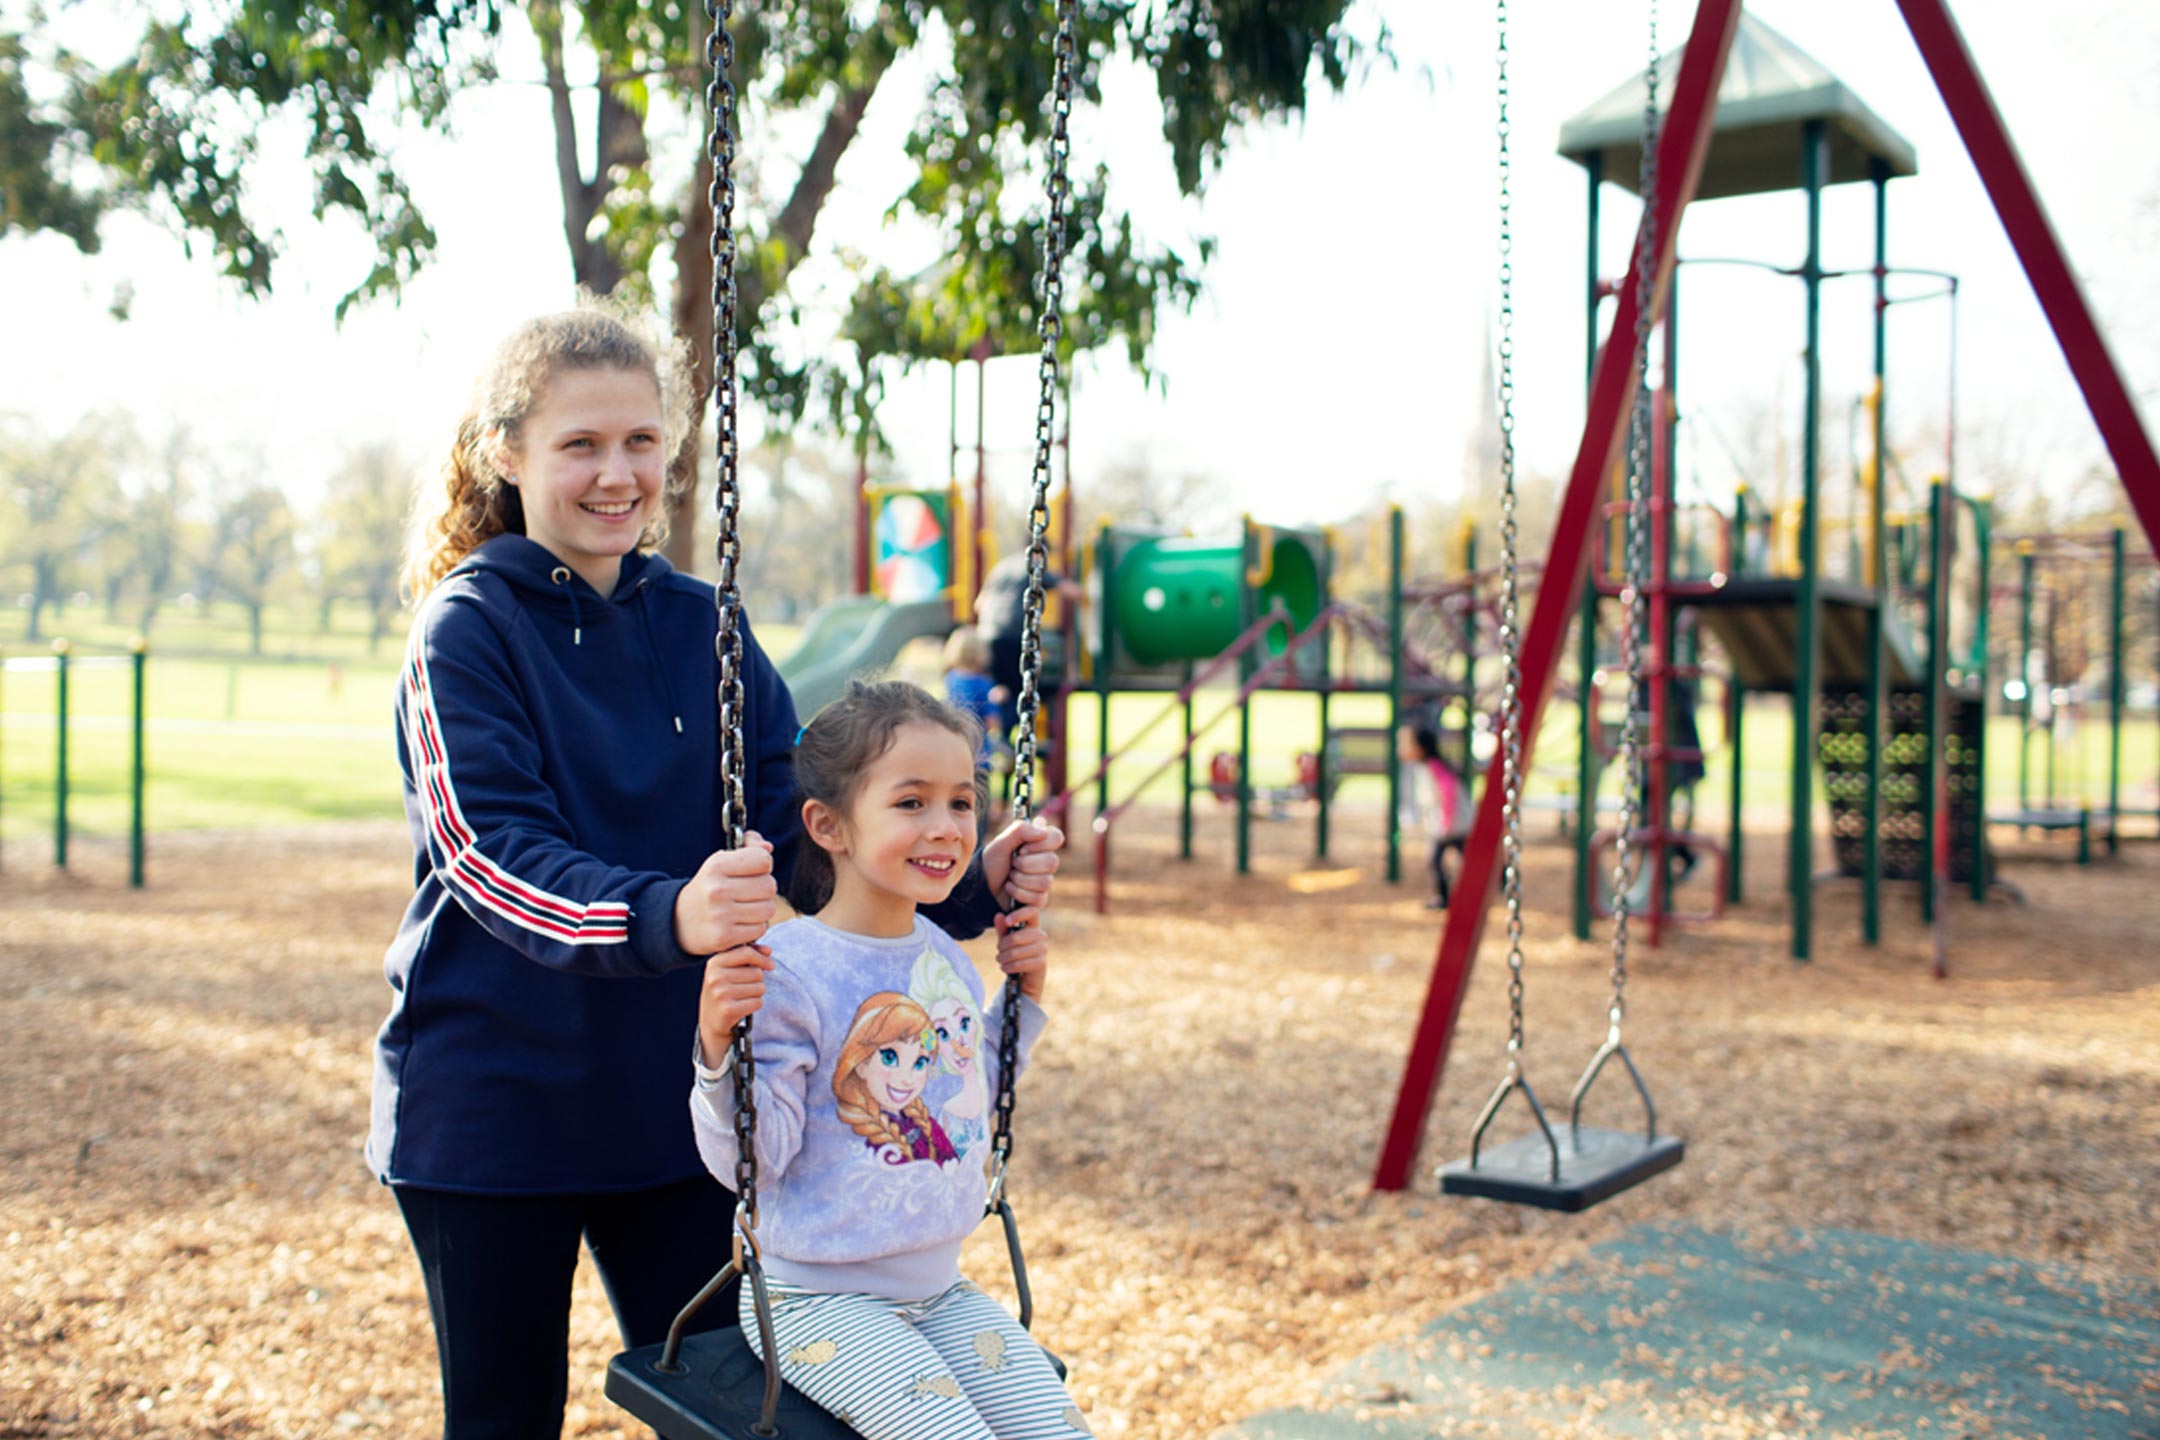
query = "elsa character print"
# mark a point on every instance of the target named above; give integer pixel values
(944, 996)
(885, 1065)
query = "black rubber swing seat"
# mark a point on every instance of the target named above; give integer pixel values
(1563, 1167)
(1594, 1165)
(715, 1393)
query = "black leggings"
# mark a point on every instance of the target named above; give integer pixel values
(499, 1271)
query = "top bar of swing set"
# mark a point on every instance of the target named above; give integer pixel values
(1682, 148)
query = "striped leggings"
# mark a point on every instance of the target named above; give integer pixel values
(953, 1367)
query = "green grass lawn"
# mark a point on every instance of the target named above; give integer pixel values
(303, 734)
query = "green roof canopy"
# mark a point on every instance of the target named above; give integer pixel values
(1771, 89)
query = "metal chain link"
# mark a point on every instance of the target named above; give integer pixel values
(727, 499)
(1627, 861)
(1051, 328)
(1511, 720)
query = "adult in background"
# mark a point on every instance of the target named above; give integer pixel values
(558, 731)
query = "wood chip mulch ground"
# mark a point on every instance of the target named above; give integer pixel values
(190, 1244)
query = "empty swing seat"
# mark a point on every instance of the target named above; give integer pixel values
(1594, 1165)
(717, 1394)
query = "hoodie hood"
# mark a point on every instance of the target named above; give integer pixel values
(534, 570)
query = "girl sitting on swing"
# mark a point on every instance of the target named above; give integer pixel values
(869, 1089)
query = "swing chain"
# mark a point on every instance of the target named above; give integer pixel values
(1510, 581)
(1051, 328)
(727, 498)
(1627, 861)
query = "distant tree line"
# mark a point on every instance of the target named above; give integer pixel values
(139, 522)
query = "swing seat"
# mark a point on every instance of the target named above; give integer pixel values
(1594, 1165)
(717, 1393)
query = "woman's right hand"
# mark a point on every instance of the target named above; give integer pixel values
(729, 902)
(734, 987)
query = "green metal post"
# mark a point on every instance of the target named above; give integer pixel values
(1735, 836)
(1586, 763)
(1879, 577)
(135, 776)
(2054, 622)
(1815, 166)
(2025, 681)
(1935, 891)
(1665, 505)
(1983, 545)
(60, 755)
(1244, 786)
(1185, 818)
(1396, 563)
(2116, 693)
(1467, 759)
(1320, 782)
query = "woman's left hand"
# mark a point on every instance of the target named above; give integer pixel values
(1021, 862)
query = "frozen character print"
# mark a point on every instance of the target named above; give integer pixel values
(944, 996)
(885, 1064)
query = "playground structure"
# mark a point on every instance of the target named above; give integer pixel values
(1817, 137)
(1171, 613)
(61, 663)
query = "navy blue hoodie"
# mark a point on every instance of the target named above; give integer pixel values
(561, 775)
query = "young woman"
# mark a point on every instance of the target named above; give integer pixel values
(558, 731)
(870, 1147)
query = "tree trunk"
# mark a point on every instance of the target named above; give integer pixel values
(255, 627)
(694, 328)
(619, 139)
(795, 224)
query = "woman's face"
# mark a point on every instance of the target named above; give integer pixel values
(895, 1073)
(955, 1025)
(589, 465)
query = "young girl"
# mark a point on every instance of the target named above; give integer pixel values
(1436, 799)
(870, 1093)
(558, 729)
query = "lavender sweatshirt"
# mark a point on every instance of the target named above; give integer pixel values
(876, 1068)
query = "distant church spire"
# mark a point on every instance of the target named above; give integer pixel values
(1481, 451)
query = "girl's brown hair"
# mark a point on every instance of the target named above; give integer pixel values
(838, 747)
(474, 504)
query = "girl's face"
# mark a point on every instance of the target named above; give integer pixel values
(955, 1025)
(589, 466)
(895, 1073)
(908, 834)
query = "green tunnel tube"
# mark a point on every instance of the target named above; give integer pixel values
(1178, 599)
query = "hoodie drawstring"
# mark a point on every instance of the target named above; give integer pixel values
(561, 576)
(667, 681)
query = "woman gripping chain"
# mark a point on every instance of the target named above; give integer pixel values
(558, 733)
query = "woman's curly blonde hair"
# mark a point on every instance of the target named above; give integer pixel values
(474, 504)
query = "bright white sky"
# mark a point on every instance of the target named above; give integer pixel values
(1335, 358)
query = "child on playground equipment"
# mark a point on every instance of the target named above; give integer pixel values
(970, 690)
(1435, 799)
(559, 734)
(871, 1044)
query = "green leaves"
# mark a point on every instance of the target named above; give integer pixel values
(176, 124)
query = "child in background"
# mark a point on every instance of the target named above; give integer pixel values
(872, 1043)
(1435, 799)
(970, 690)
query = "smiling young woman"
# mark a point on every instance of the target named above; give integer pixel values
(558, 730)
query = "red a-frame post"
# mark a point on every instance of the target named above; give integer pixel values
(1681, 149)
